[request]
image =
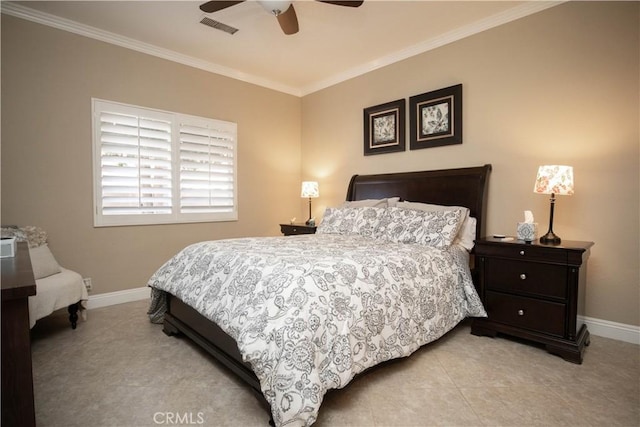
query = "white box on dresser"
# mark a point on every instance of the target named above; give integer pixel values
(8, 247)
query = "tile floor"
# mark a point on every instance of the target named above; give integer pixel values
(117, 369)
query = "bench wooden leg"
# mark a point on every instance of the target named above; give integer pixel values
(73, 314)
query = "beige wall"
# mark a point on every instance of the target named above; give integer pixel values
(48, 79)
(557, 87)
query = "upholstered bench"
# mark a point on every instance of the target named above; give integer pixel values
(56, 287)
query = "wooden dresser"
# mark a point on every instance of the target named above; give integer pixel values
(534, 291)
(18, 284)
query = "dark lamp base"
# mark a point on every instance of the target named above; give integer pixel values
(550, 239)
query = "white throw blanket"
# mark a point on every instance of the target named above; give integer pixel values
(55, 292)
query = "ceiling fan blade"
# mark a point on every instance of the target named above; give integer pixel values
(347, 3)
(288, 21)
(214, 6)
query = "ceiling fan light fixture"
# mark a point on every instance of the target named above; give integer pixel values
(275, 7)
(283, 10)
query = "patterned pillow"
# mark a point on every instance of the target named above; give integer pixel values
(434, 228)
(467, 233)
(34, 236)
(365, 221)
(371, 222)
(336, 221)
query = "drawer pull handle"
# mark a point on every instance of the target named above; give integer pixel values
(523, 276)
(521, 252)
(520, 312)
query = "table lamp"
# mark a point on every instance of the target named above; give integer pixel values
(309, 189)
(553, 179)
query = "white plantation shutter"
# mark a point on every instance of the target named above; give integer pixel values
(207, 167)
(135, 164)
(153, 167)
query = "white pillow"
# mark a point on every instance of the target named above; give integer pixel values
(467, 234)
(436, 228)
(374, 203)
(43, 262)
(393, 201)
(427, 207)
(371, 203)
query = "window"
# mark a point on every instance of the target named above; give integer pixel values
(158, 167)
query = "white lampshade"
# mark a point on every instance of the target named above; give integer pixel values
(275, 6)
(310, 189)
(554, 179)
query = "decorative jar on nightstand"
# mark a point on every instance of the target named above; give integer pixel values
(292, 229)
(534, 291)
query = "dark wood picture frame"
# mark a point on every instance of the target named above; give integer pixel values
(436, 118)
(384, 128)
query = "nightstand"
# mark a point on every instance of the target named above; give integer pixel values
(291, 229)
(534, 291)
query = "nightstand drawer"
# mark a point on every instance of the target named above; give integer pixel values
(524, 252)
(529, 278)
(293, 229)
(528, 313)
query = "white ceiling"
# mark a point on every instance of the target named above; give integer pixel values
(334, 43)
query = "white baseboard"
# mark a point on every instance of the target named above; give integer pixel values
(599, 327)
(118, 297)
(613, 330)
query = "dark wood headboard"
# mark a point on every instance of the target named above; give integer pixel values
(452, 187)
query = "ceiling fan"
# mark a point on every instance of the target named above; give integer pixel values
(281, 9)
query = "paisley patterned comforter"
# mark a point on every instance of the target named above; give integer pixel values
(309, 312)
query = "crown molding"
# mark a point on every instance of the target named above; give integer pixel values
(498, 19)
(64, 24)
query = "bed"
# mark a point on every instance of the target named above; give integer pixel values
(332, 305)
